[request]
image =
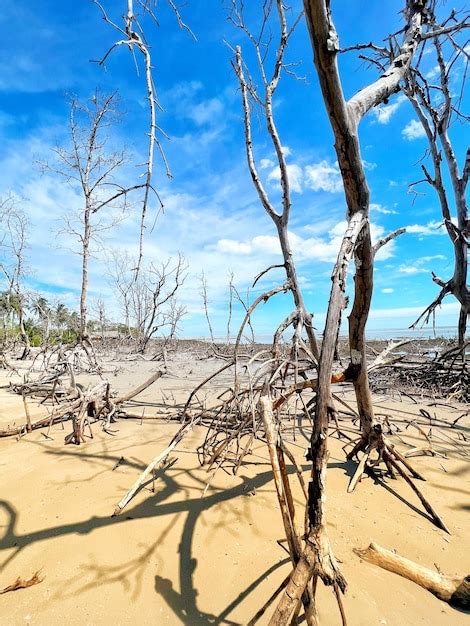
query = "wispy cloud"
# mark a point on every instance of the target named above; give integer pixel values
(295, 174)
(383, 114)
(323, 176)
(264, 164)
(431, 228)
(413, 130)
(412, 269)
(378, 208)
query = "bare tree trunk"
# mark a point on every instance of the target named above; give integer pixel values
(318, 559)
(345, 117)
(84, 290)
(23, 334)
(462, 327)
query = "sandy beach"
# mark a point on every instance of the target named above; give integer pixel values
(174, 556)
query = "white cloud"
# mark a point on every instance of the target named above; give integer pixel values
(265, 163)
(427, 259)
(411, 269)
(294, 173)
(413, 130)
(206, 112)
(415, 267)
(368, 165)
(231, 246)
(323, 176)
(384, 113)
(266, 244)
(316, 248)
(431, 228)
(433, 72)
(387, 290)
(286, 151)
(378, 208)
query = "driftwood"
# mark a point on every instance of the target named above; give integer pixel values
(452, 589)
(284, 496)
(96, 403)
(135, 392)
(160, 458)
(23, 583)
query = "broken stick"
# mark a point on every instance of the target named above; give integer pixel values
(452, 589)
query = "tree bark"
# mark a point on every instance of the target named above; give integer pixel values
(452, 589)
(85, 259)
(23, 334)
(344, 118)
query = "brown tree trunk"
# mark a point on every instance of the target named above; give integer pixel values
(317, 558)
(462, 327)
(345, 117)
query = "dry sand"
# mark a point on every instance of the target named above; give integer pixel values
(174, 557)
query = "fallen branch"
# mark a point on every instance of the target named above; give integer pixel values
(452, 589)
(22, 583)
(140, 388)
(149, 469)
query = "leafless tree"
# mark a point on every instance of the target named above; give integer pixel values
(88, 166)
(317, 559)
(261, 92)
(131, 35)
(205, 301)
(119, 264)
(100, 311)
(13, 244)
(437, 102)
(149, 302)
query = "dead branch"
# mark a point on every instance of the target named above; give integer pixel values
(452, 589)
(133, 37)
(23, 583)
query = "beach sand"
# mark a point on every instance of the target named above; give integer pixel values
(175, 557)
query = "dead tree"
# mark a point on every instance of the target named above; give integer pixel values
(317, 559)
(300, 319)
(13, 246)
(437, 106)
(88, 166)
(132, 36)
(205, 302)
(153, 306)
(345, 117)
(119, 263)
(100, 311)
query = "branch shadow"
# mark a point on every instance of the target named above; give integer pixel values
(130, 574)
(349, 468)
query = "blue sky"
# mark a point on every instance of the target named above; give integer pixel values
(212, 214)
